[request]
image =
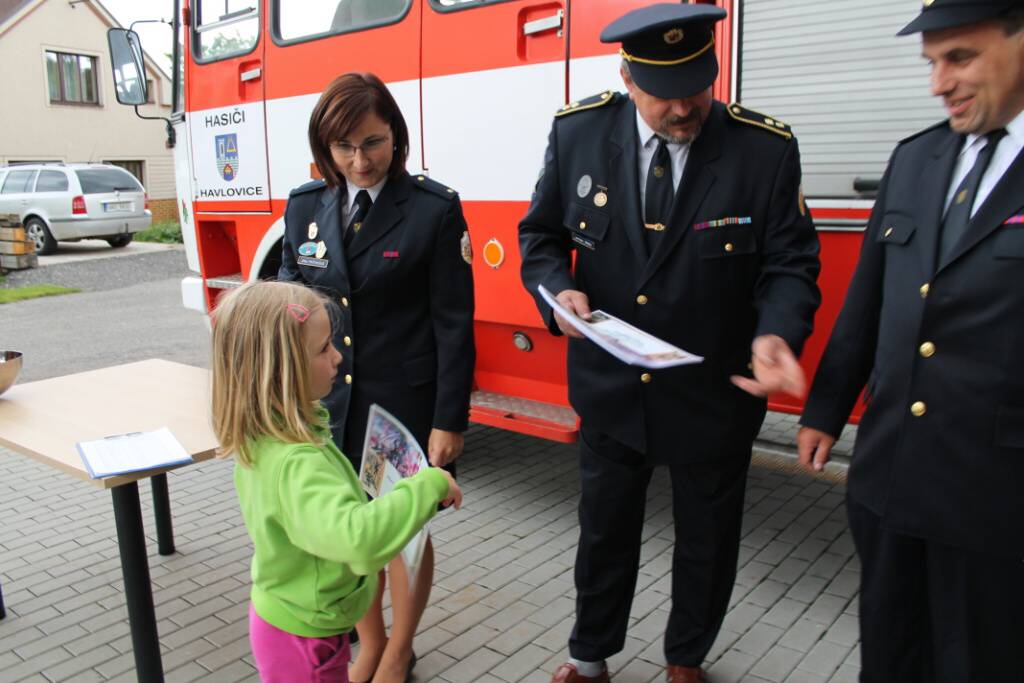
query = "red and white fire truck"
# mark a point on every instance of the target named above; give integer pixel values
(478, 82)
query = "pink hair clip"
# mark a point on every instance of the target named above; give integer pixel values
(298, 311)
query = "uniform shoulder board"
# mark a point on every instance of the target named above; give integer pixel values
(591, 102)
(429, 184)
(753, 118)
(308, 187)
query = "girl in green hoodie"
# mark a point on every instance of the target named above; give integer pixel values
(318, 544)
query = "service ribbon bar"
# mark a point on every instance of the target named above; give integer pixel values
(740, 220)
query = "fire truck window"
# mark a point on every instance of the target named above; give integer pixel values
(302, 19)
(225, 28)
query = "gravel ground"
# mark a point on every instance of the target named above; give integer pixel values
(97, 275)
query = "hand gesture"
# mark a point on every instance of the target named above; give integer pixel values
(578, 303)
(813, 447)
(444, 446)
(775, 369)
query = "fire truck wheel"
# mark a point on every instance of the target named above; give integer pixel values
(120, 241)
(36, 230)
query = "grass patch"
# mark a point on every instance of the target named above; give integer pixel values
(33, 292)
(165, 232)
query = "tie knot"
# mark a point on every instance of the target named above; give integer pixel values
(363, 199)
(992, 138)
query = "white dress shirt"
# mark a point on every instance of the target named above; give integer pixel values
(1007, 150)
(648, 143)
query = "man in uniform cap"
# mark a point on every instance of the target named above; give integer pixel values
(686, 219)
(933, 327)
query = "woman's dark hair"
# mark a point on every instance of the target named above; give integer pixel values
(341, 108)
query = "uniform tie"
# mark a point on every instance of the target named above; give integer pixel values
(658, 195)
(360, 208)
(958, 216)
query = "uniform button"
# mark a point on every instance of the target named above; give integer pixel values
(918, 408)
(927, 349)
(583, 225)
(645, 378)
(728, 246)
(641, 299)
(924, 290)
(348, 340)
(344, 301)
(348, 379)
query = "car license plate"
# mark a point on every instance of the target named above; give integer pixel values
(117, 206)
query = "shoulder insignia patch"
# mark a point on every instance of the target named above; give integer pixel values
(466, 247)
(308, 187)
(753, 118)
(430, 185)
(591, 102)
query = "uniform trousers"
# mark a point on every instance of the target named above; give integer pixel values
(932, 613)
(707, 510)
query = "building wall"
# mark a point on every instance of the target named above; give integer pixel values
(35, 130)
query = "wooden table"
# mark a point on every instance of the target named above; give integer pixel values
(45, 419)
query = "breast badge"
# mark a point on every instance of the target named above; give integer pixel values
(321, 250)
(312, 231)
(584, 185)
(307, 249)
(600, 199)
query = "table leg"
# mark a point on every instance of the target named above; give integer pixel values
(162, 512)
(138, 591)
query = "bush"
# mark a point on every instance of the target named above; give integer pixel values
(166, 232)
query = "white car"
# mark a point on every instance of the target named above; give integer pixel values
(69, 202)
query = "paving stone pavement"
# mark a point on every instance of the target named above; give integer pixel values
(502, 604)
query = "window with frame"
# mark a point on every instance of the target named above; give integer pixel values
(18, 182)
(297, 20)
(224, 28)
(133, 167)
(52, 181)
(71, 78)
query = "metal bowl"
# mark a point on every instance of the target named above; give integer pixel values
(10, 366)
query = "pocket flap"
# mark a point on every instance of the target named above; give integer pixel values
(1009, 243)
(896, 230)
(726, 242)
(588, 222)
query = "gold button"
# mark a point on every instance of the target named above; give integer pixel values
(583, 225)
(918, 408)
(888, 231)
(420, 178)
(924, 290)
(645, 378)
(927, 349)
(728, 246)
(348, 379)
(348, 340)
(344, 301)
(641, 299)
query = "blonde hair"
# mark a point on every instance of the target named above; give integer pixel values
(261, 369)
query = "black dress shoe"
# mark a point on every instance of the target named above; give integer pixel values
(408, 670)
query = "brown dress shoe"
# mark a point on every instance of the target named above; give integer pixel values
(567, 673)
(684, 674)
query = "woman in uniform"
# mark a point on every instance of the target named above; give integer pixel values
(392, 250)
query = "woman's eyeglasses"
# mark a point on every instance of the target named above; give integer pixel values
(368, 146)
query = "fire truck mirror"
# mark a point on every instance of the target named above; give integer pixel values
(126, 62)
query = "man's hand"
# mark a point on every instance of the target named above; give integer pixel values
(813, 447)
(443, 447)
(578, 303)
(775, 369)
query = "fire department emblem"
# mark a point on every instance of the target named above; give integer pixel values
(466, 247)
(674, 36)
(227, 155)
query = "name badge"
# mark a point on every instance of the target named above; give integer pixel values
(312, 261)
(589, 244)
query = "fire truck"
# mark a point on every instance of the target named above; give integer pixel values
(478, 82)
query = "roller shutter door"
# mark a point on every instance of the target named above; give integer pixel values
(836, 72)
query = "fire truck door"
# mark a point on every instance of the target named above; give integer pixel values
(493, 75)
(226, 106)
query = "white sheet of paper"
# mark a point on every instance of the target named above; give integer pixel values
(124, 453)
(629, 344)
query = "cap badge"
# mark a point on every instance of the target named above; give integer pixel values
(674, 36)
(600, 199)
(584, 185)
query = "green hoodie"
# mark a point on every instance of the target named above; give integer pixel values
(318, 544)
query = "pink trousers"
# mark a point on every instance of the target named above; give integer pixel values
(282, 657)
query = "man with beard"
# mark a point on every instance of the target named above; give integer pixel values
(687, 221)
(933, 326)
